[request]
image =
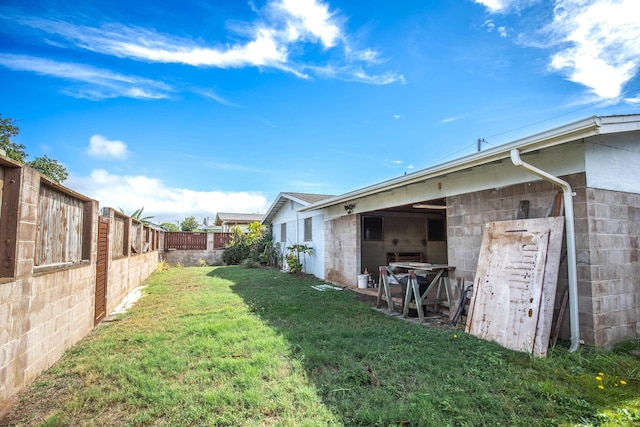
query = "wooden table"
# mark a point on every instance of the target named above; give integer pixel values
(441, 279)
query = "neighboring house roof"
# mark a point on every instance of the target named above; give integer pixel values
(236, 218)
(305, 199)
(591, 126)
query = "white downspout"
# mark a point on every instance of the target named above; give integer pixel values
(571, 243)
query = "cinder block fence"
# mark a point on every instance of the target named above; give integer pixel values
(63, 267)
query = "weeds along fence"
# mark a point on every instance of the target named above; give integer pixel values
(63, 267)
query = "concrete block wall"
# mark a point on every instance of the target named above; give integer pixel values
(45, 310)
(342, 249)
(127, 272)
(191, 258)
(614, 264)
(42, 313)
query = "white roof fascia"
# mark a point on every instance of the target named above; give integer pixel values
(570, 132)
(276, 204)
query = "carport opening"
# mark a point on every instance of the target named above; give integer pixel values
(415, 232)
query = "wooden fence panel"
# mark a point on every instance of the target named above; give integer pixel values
(136, 237)
(221, 240)
(181, 240)
(60, 227)
(118, 237)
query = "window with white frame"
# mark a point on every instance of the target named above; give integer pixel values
(283, 232)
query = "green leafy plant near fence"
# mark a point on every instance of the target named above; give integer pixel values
(238, 250)
(253, 248)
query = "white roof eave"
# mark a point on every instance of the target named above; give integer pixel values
(573, 131)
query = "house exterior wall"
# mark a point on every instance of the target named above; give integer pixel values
(562, 160)
(618, 153)
(294, 220)
(342, 249)
(613, 230)
(468, 213)
(607, 225)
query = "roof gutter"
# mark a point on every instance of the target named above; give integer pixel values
(571, 242)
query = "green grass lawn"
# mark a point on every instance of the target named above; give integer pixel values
(230, 346)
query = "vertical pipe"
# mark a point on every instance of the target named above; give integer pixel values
(571, 243)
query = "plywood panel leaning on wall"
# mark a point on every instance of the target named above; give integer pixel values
(515, 283)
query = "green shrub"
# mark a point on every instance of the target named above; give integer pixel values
(238, 250)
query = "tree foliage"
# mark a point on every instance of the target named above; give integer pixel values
(254, 232)
(9, 129)
(50, 168)
(189, 224)
(255, 247)
(137, 214)
(46, 166)
(169, 226)
(239, 248)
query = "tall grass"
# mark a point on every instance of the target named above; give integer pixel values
(230, 346)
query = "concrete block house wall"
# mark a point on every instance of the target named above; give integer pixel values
(612, 268)
(468, 213)
(607, 225)
(342, 243)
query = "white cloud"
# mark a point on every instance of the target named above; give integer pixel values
(146, 45)
(602, 49)
(397, 116)
(368, 55)
(503, 6)
(377, 79)
(595, 42)
(450, 119)
(103, 83)
(635, 100)
(101, 147)
(214, 96)
(489, 24)
(494, 5)
(274, 40)
(309, 18)
(165, 204)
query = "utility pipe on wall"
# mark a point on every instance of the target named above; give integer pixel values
(571, 243)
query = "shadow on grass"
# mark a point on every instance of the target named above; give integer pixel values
(372, 369)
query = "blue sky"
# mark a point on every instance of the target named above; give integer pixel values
(197, 107)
